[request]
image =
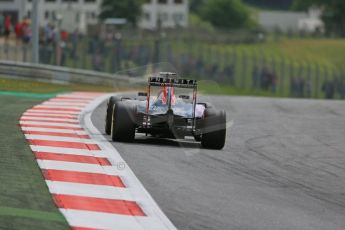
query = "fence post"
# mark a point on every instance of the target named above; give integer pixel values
(291, 78)
(113, 58)
(309, 82)
(86, 51)
(24, 53)
(282, 77)
(234, 64)
(317, 76)
(244, 68)
(274, 72)
(257, 70)
(35, 31)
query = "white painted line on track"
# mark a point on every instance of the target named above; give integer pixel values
(55, 138)
(69, 101)
(77, 105)
(50, 115)
(112, 221)
(48, 119)
(100, 191)
(57, 106)
(53, 130)
(79, 167)
(59, 150)
(49, 123)
(49, 112)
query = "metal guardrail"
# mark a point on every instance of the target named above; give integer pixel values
(64, 75)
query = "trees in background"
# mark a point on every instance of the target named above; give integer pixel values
(333, 13)
(194, 5)
(225, 14)
(271, 4)
(128, 9)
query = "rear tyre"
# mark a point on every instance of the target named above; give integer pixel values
(108, 116)
(123, 122)
(214, 129)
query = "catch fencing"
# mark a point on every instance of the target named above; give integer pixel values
(249, 71)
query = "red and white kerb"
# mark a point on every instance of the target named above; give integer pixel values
(82, 174)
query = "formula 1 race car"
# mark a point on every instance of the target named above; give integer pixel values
(168, 109)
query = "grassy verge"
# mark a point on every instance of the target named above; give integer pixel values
(25, 202)
(213, 88)
(41, 87)
(325, 52)
(314, 60)
(10, 87)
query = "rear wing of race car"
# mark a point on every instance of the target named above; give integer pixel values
(166, 81)
(179, 83)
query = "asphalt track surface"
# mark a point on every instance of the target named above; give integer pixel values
(283, 167)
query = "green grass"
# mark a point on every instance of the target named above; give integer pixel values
(19, 88)
(325, 52)
(213, 88)
(7, 84)
(314, 60)
(25, 202)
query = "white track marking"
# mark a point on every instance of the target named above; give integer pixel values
(90, 190)
(57, 107)
(83, 102)
(53, 130)
(79, 105)
(68, 100)
(79, 167)
(112, 221)
(49, 123)
(51, 112)
(96, 153)
(51, 115)
(80, 98)
(81, 152)
(48, 119)
(85, 96)
(56, 138)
